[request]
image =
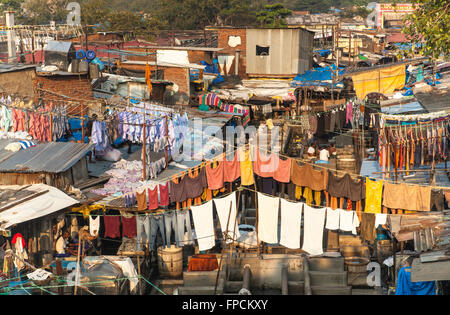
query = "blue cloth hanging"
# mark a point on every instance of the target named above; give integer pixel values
(406, 287)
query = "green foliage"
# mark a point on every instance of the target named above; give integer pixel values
(430, 25)
(273, 15)
(11, 5)
(43, 11)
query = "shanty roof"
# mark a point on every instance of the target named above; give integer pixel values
(434, 101)
(53, 157)
(19, 204)
(7, 67)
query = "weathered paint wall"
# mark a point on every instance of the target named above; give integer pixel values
(19, 83)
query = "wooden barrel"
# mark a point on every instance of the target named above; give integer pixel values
(348, 165)
(356, 264)
(346, 156)
(349, 251)
(170, 262)
(384, 250)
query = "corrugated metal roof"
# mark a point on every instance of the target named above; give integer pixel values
(54, 157)
(58, 46)
(4, 154)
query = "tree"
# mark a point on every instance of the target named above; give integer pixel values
(11, 5)
(239, 13)
(273, 15)
(44, 11)
(429, 25)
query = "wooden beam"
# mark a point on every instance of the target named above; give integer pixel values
(432, 271)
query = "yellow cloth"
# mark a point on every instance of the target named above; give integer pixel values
(86, 210)
(317, 197)
(247, 177)
(298, 192)
(308, 195)
(383, 81)
(374, 193)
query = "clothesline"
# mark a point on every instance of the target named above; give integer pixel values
(108, 121)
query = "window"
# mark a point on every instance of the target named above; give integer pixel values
(262, 51)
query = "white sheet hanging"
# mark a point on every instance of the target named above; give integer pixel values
(204, 225)
(380, 219)
(291, 220)
(349, 221)
(223, 211)
(268, 219)
(314, 222)
(332, 219)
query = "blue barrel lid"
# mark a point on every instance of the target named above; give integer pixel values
(90, 55)
(80, 54)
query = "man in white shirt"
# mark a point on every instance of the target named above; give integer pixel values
(324, 155)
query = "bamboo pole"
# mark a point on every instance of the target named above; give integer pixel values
(77, 270)
(225, 237)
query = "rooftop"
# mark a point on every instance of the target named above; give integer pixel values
(53, 157)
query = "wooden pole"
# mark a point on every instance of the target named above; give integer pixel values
(77, 270)
(32, 47)
(349, 47)
(166, 152)
(225, 237)
(308, 290)
(284, 281)
(144, 146)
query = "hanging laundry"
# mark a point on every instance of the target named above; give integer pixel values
(152, 198)
(374, 193)
(231, 169)
(380, 219)
(306, 176)
(407, 197)
(112, 226)
(206, 100)
(204, 225)
(6, 120)
(333, 219)
(282, 173)
(268, 218)
(164, 194)
(227, 213)
(368, 228)
(265, 165)
(346, 187)
(94, 225)
(141, 198)
(314, 222)
(246, 166)
(291, 219)
(348, 221)
(215, 176)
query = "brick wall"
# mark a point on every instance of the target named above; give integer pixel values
(179, 76)
(74, 86)
(223, 37)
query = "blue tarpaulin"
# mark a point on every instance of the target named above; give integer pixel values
(323, 52)
(214, 70)
(406, 287)
(316, 77)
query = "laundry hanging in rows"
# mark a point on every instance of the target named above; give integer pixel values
(291, 219)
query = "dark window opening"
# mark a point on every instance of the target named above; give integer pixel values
(262, 51)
